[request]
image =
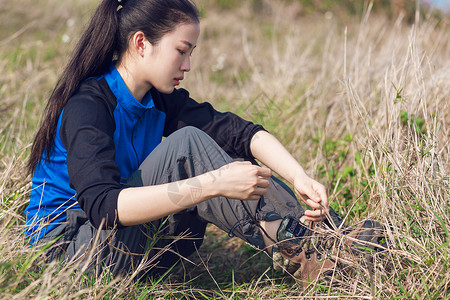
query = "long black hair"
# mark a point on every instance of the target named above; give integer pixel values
(106, 38)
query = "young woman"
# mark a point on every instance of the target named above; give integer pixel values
(100, 169)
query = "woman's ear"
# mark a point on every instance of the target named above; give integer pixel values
(138, 43)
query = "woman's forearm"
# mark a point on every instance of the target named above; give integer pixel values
(268, 150)
(138, 205)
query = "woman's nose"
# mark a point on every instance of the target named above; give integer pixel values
(186, 65)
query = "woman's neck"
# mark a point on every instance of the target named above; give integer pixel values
(137, 87)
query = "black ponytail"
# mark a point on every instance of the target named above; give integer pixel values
(106, 38)
(91, 56)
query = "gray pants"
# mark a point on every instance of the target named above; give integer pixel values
(184, 154)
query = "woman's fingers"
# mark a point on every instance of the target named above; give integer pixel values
(311, 192)
(320, 190)
(243, 180)
(259, 191)
(316, 215)
(262, 182)
(264, 172)
(314, 204)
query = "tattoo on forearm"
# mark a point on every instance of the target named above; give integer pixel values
(177, 197)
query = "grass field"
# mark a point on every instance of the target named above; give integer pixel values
(362, 101)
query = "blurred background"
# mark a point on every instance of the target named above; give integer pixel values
(358, 91)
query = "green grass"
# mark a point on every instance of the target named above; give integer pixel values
(360, 100)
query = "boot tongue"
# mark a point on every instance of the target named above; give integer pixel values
(291, 229)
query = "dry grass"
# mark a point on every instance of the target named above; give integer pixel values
(362, 103)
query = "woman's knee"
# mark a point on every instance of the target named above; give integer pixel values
(190, 131)
(191, 134)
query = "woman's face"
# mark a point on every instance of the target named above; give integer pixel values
(166, 62)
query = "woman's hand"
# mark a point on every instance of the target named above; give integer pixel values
(242, 180)
(268, 150)
(313, 194)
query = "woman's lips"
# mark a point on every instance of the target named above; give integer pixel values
(177, 80)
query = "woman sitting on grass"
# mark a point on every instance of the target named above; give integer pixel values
(100, 167)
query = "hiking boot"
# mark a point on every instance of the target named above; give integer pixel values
(311, 249)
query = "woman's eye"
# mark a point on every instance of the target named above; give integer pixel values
(182, 52)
